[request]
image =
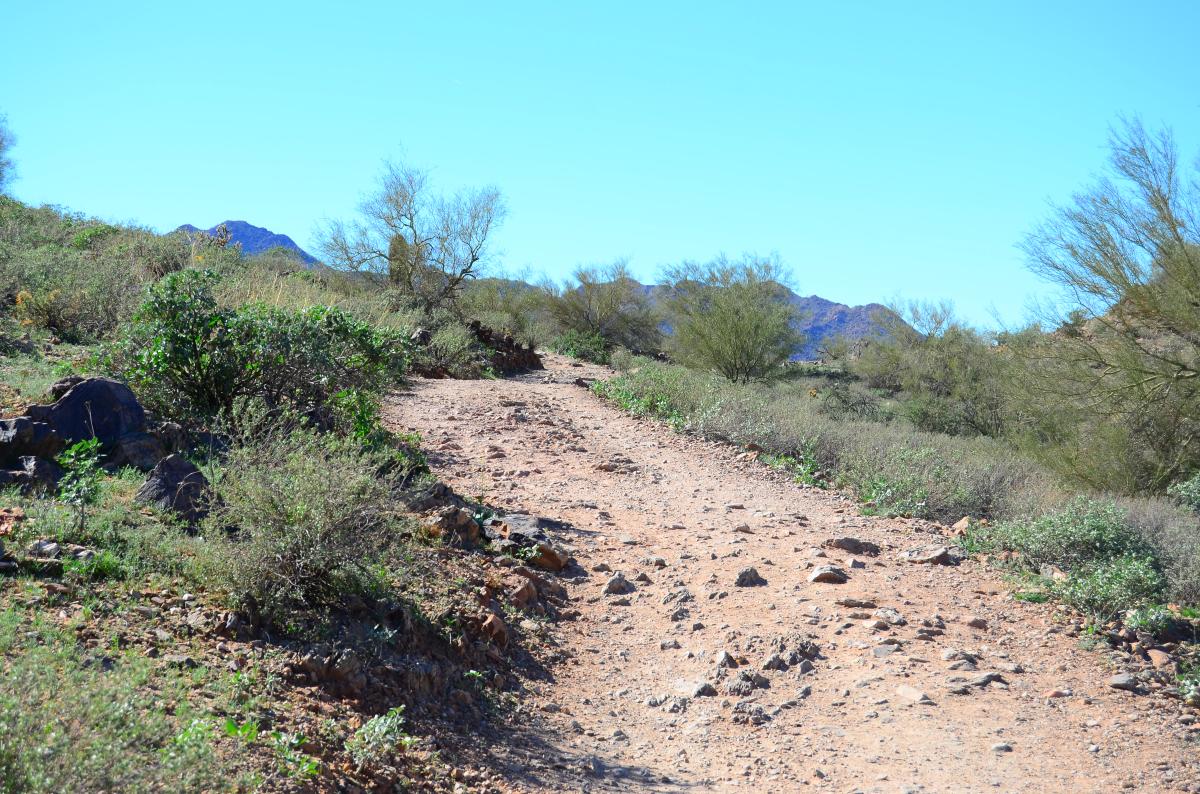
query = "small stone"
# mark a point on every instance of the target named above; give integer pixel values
(618, 585)
(669, 645)
(704, 690)
(1002, 747)
(749, 577)
(913, 694)
(1123, 681)
(978, 623)
(1159, 658)
(828, 574)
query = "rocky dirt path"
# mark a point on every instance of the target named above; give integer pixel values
(905, 677)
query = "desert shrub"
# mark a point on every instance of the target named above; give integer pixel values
(299, 520)
(607, 302)
(1154, 619)
(582, 345)
(1103, 590)
(1174, 533)
(1085, 531)
(189, 359)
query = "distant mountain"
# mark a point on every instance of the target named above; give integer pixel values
(822, 321)
(255, 239)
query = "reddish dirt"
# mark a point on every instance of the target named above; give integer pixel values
(533, 443)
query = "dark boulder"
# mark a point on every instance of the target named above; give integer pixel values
(93, 408)
(104, 409)
(176, 485)
(21, 437)
(33, 475)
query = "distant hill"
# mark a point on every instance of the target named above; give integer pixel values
(256, 239)
(822, 321)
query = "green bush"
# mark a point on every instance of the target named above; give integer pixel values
(1083, 532)
(299, 520)
(1105, 589)
(188, 358)
(584, 345)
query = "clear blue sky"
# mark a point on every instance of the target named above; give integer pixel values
(883, 149)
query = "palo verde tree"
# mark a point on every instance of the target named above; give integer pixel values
(606, 302)
(1127, 252)
(428, 244)
(732, 316)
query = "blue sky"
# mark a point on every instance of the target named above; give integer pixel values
(883, 150)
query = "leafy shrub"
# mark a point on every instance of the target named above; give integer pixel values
(187, 358)
(299, 520)
(585, 345)
(1084, 531)
(452, 351)
(1105, 589)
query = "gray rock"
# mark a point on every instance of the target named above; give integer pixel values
(853, 546)
(749, 577)
(177, 486)
(618, 585)
(1124, 681)
(927, 555)
(828, 574)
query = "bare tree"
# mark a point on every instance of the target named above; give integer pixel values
(428, 244)
(6, 143)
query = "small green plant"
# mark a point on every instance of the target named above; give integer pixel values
(803, 467)
(1188, 682)
(292, 762)
(246, 732)
(102, 565)
(378, 738)
(80, 485)
(1032, 596)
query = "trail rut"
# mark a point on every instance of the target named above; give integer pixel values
(623, 712)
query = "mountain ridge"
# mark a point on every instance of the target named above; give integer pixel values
(254, 239)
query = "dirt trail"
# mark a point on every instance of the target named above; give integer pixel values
(622, 711)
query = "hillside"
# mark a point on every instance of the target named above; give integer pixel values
(255, 239)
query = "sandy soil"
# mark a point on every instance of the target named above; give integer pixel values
(621, 711)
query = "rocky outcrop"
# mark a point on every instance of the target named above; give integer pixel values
(508, 355)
